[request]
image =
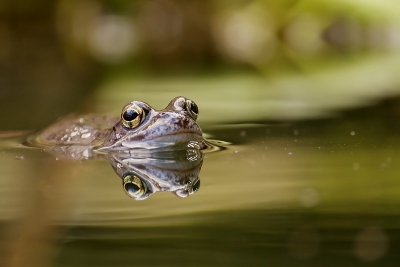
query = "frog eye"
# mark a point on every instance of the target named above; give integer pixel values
(133, 186)
(192, 108)
(132, 115)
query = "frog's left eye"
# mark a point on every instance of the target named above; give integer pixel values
(134, 187)
(132, 115)
(192, 108)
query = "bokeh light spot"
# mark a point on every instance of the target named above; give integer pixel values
(371, 244)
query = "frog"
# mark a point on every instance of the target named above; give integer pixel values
(139, 127)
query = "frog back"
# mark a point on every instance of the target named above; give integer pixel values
(85, 130)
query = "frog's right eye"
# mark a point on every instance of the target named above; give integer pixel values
(132, 115)
(134, 187)
(192, 108)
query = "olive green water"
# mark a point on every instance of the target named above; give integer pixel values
(309, 193)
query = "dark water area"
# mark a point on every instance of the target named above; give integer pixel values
(257, 237)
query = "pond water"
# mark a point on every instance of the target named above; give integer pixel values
(303, 95)
(309, 193)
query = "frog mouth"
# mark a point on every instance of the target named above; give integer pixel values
(174, 139)
(185, 138)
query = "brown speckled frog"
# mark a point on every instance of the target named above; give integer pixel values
(139, 127)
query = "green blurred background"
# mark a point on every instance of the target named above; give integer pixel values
(240, 60)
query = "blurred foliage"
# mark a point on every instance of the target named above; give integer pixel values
(57, 53)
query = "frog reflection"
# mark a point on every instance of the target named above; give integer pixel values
(142, 176)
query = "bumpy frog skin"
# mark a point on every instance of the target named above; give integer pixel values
(140, 126)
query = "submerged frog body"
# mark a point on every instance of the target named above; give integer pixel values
(139, 126)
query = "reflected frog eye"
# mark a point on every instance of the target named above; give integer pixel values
(195, 187)
(132, 115)
(192, 108)
(133, 186)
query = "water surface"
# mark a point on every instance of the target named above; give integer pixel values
(320, 192)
